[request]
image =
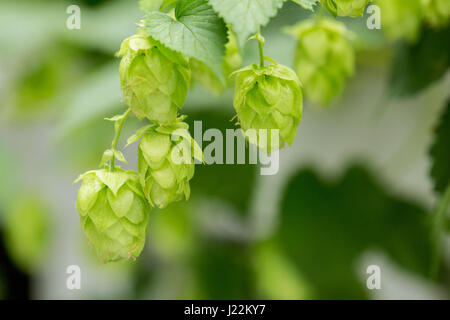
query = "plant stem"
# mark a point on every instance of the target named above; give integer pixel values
(439, 227)
(118, 129)
(261, 54)
(261, 43)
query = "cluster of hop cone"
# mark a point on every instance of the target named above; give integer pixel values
(114, 204)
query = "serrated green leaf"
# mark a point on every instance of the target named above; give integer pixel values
(246, 16)
(196, 31)
(307, 4)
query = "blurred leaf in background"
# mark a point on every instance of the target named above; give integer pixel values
(440, 153)
(416, 66)
(27, 231)
(325, 227)
(232, 183)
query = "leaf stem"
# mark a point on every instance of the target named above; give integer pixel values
(118, 129)
(438, 228)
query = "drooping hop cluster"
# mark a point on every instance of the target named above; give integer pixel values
(114, 213)
(166, 162)
(346, 8)
(206, 77)
(155, 80)
(268, 98)
(437, 12)
(401, 19)
(324, 58)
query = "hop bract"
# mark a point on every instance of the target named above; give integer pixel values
(437, 12)
(346, 8)
(324, 58)
(401, 19)
(114, 213)
(166, 163)
(268, 98)
(154, 79)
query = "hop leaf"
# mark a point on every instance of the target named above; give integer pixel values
(166, 163)
(346, 8)
(401, 19)
(324, 58)
(268, 98)
(154, 79)
(206, 77)
(114, 213)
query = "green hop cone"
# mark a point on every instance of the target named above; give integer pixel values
(437, 12)
(346, 8)
(324, 58)
(166, 162)
(155, 80)
(268, 98)
(401, 19)
(203, 75)
(114, 213)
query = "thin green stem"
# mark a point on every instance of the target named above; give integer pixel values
(439, 227)
(118, 130)
(261, 52)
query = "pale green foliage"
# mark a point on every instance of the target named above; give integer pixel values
(27, 226)
(195, 31)
(346, 8)
(154, 79)
(204, 75)
(437, 12)
(269, 98)
(114, 213)
(246, 16)
(401, 19)
(166, 162)
(324, 58)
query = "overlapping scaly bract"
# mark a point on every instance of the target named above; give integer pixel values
(154, 79)
(324, 58)
(346, 8)
(401, 19)
(166, 163)
(114, 213)
(437, 12)
(268, 98)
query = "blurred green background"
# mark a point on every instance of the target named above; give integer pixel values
(358, 187)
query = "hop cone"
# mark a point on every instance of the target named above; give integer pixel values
(154, 79)
(401, 19)
(114, 213)
(324, 58)
(166, 163)
(268, 98)
(346, 8)
(437, 12)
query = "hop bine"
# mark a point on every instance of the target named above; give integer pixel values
(154, 79)
(324, 58)
(166, 162)
(114, 213)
